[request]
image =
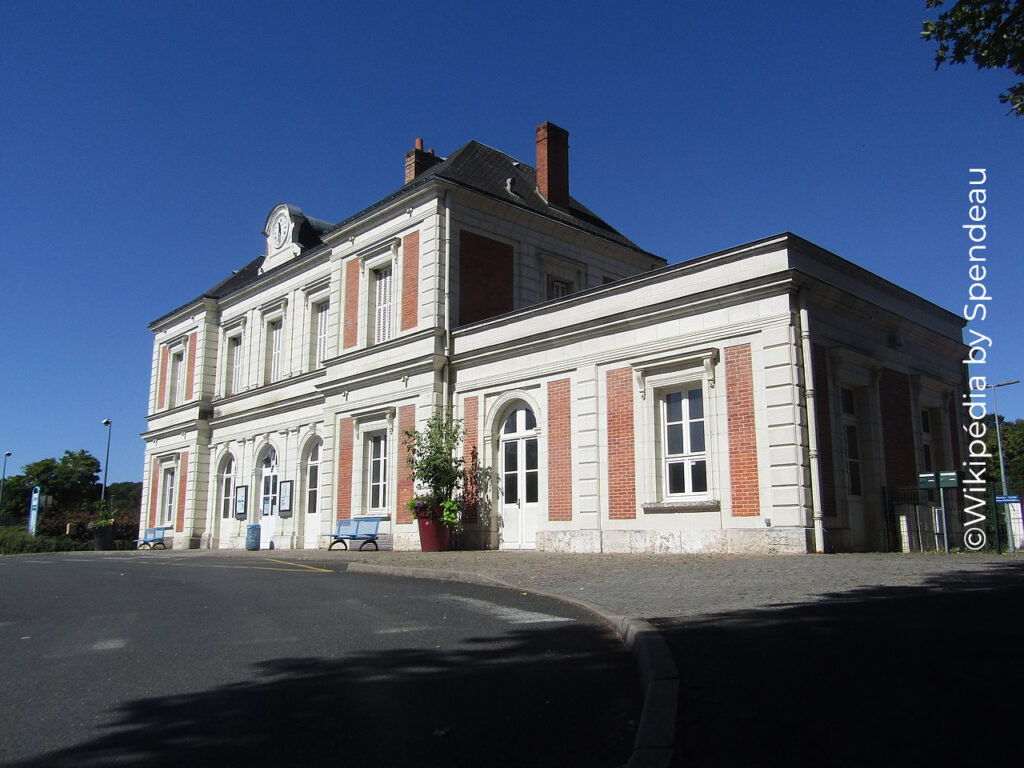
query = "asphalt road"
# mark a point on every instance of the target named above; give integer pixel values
(140, 661)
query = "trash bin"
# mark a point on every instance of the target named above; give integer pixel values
(252, 537)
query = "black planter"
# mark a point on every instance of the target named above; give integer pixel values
(103, 538)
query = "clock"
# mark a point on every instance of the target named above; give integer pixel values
(279, 229)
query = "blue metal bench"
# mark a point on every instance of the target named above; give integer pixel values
(362, 529)
(151, 538)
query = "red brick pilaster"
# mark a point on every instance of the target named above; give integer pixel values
(897, 429)
(621, 448)
(406, 423)
(190, 372)
(410, 280)
(470, 454)
(182, 491)
(351, 332)
(346, 438)
(739, 397)
(559, 451)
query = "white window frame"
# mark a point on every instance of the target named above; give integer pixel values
(176, 377)
(687, 457)
(168, 493)
(319, 332)
(851, 463)
(313, 477)
(654, 377)
(275, 338)
(379, 461)
(383, 302)
(226, 487)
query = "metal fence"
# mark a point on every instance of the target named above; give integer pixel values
(974, 521)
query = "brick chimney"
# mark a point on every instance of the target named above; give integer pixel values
(553, 163)
(417, 161)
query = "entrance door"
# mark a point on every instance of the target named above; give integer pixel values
(520, 480)
(268, 500)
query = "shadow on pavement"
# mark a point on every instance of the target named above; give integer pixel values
(908, 676)
(538, 697)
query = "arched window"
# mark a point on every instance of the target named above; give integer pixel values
(313, 478)
(268, 484)
(520, 478)
(226, 486)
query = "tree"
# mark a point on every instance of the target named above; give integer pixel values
(1012, 433)
(988, 32)
(69, 481)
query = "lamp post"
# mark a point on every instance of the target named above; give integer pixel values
(1002, 462)
(106, 460)
(3, 477)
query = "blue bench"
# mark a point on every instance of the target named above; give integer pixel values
(151, 538)
(363, 529)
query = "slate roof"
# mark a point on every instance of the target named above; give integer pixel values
(474, 166)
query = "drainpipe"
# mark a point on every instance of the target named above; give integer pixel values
(812, 427)
(446, 368)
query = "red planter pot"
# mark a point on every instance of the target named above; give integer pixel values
(434, 535)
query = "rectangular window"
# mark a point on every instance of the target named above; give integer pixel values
(226, 488)
(233, 366)
(851, 442)
(176, 380)
(274, 351)
(168, 496)
(683, 443)
(378, 471)
(319, 326)
(382, 304)
(559, 288)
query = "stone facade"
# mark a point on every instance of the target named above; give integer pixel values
(611, 403)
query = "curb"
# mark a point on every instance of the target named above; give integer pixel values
(655, 736)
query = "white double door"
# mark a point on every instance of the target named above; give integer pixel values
(520, 481)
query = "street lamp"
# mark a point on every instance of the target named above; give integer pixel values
(3, 477)
(1002, 462)
(106, 460)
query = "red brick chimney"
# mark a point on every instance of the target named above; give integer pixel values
(553, 164)
(417, 161)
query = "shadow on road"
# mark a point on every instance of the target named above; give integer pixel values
(539, 697)
(928, 675)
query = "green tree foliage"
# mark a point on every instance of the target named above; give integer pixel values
(16, 501)
(69, 481)
(988, 32)
(125, 496)
(1013, 451)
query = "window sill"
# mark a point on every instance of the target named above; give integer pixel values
(672, 507)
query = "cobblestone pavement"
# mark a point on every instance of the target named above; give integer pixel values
(657, 586)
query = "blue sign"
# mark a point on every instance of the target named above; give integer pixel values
(33, 514)
(1007, 499)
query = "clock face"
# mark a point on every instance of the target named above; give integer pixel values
(279, 230)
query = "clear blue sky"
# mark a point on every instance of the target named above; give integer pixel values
(142, 145)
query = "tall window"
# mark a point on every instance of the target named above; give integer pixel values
(274, 351)
(176, 379)
(850, 439)
(168, 496)
(685, 454)
(382, 304)
(319, 334)
(227, 487)
(268, 484)
(233, 366)
(313, 480)
(378, 471)
(559, 288)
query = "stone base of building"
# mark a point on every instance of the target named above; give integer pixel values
(730, 541)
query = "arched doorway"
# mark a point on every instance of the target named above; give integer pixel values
(520, 479)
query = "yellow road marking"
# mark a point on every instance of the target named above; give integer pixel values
(297, 567)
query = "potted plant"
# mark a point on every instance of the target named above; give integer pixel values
(431, 453)
(103, 526)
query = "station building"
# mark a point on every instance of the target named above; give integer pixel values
(772, 397)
